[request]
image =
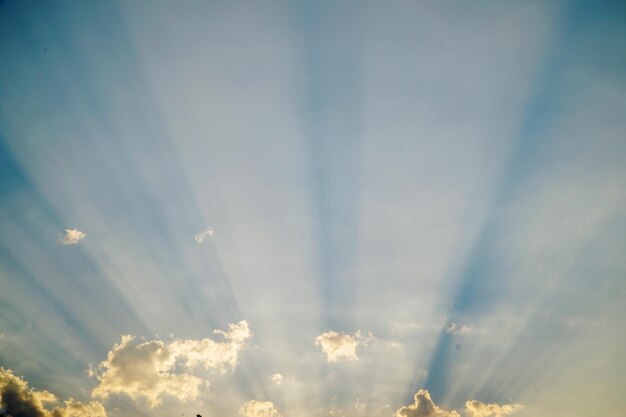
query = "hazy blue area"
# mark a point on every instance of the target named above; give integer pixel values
(448, 176)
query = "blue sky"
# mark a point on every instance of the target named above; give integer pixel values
(366, 200)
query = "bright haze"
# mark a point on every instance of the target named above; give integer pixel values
(344, 208)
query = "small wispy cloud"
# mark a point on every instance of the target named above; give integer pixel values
(200, 237)
(456, 328)
(404, 328)
(276, 379)
(254, 408)
(72, 236)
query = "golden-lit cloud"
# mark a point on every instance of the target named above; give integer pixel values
(341, 346)
(73, 408)
(475, 408)
(17, 399)
(337, 346)
(72, 236)
(424, 407)
(254, 408)
(149, 369)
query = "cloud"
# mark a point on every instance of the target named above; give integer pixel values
(455, 328)
(424, 407)
(337, 346)
(72, 236)
(203, 235)
(404, 328)
(152, 368)
(255, 408)
(477, 409)
(18, 400)
(276, 379)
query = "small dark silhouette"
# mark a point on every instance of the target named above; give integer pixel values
(198, 415)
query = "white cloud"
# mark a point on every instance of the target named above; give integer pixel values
(276, 379)
(18, 399)
(337, 346)
(203, 235)
(255, 408)
(477, 409)
(424, 407)
(455, 328)
(148, 369)
(72, 236)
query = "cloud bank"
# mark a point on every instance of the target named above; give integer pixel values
(17, 399)
(152, 368)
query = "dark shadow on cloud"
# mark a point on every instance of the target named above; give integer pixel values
(17, 399)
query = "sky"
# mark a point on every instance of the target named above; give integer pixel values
(312, 208)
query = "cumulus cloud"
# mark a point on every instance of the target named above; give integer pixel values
(337, 346)
(151, 368)
(17, 399)
(455, 328)
(276, 379)
(255, 408)
(72, 236)
(424, 407)
(477, 409)
(200, 237)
